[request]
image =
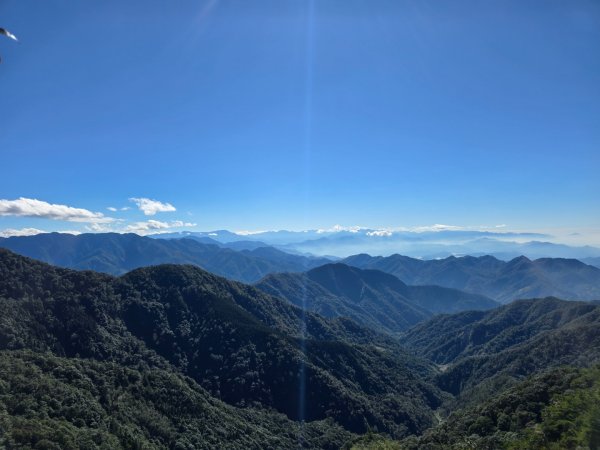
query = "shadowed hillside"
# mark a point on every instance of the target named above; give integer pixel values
(242, 346)
(502, 281)
(116, 254)
(371, 297)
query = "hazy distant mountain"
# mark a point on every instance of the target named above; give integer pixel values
(371, 297)
(421, 244)
(592, 261)
(439, 245)
(502, 281)
(219, 236)
(118, 253)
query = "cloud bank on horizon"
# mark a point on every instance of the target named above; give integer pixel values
(425, 240)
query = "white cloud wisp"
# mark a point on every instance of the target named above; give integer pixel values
(150, 207)
(29, 207)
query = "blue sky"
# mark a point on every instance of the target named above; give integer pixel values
(278, 114)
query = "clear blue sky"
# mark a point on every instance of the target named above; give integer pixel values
(267, 115)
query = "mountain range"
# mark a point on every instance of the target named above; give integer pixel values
(172, 356)
(251, 260)
(437, 242)
(370, 297)
(116, 254)
(240, 345)
(500, 280)
(483, 353)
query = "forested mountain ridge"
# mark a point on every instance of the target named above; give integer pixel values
(488, 351)
(502, 281)
(554, 410)
(174, 357)
(234, 341)
(371, 297)
(50, 402)
(116, 254)
(446, 338)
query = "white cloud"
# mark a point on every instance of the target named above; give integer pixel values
(151, 207)
(98, 228)
(153, 226)
(9, 232)
(380, 233)
(28, 207)
(438, 227)
(338, 228)
(246, 232)
(180, 223)
(113, 209)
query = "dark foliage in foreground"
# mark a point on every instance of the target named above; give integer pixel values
(174, 357)
(47, 402)
(556, 410)
(241, 345)
(511, 342)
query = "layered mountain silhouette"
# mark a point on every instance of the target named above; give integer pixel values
(119, 253)
(427, 244)
(592, 261)
(172, 356)
(242, 346)
(502, 281)
(371, 297)
(249, 261)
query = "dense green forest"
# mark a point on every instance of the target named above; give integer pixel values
(556, 410)
(175, 357)
(48, 402)
(370, 297)
(244, 347)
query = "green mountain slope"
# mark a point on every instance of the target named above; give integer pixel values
(554, 410)
(446, 338)
(502, 281)
(243, 346)
(116, 254)
(47, 402)
(372, 298)
(507, 343)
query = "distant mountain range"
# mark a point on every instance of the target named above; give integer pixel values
(502, 281)
(592, 261)
(370, 297)
(250, 261)
(119, 253)
(425, 244)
